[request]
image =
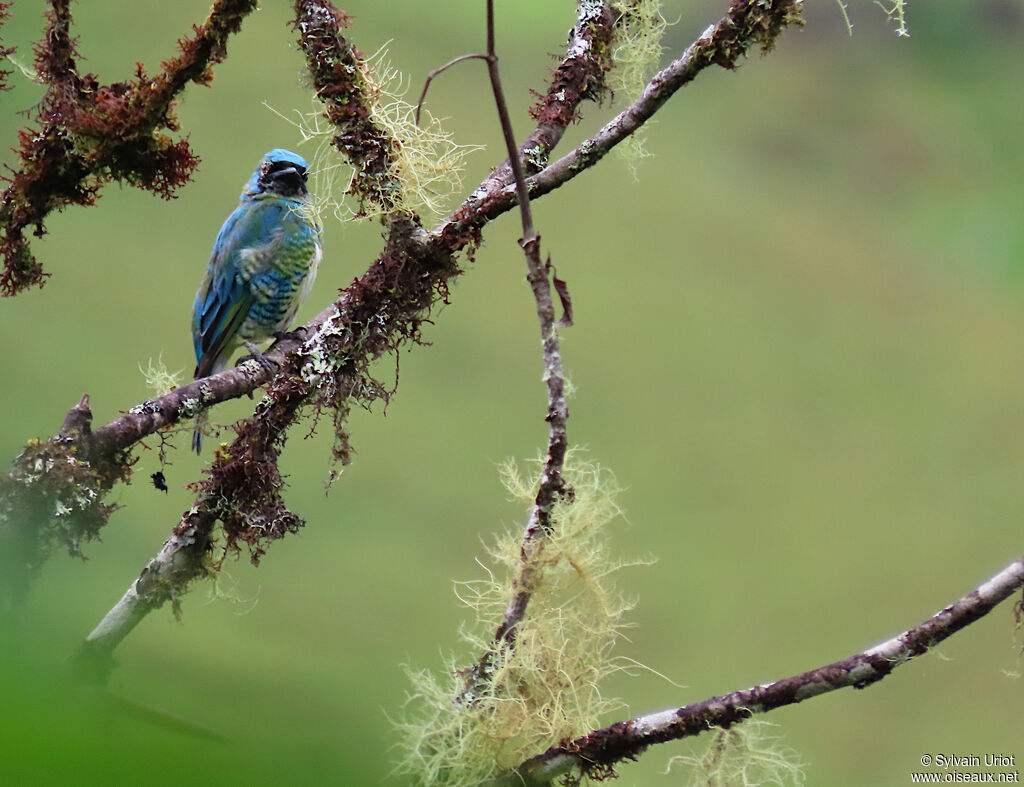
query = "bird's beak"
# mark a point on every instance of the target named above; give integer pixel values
(289, 180)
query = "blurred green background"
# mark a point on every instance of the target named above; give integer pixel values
(798, 344)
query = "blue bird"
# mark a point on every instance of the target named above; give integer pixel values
(262, 266)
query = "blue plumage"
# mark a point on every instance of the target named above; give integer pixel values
(262, 265)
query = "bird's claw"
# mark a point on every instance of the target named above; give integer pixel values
(255, 355)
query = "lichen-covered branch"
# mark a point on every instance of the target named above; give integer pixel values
(578, 77)
(242, 491)
(90, 133)
(54, 497)
(183, 558)
(597, 752)
(749, 23)
(185, 402)
(551, 486)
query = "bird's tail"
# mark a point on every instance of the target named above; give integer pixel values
(208, 364)
(197, 435)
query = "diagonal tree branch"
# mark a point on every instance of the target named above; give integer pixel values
(595, 753)
(746, 25)
(579, 76)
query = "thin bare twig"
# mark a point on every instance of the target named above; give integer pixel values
(437, 72)
(514, 158)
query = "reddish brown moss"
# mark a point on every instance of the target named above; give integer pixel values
(5, 51)
(244, 484)
(338, 71)
(89, 134)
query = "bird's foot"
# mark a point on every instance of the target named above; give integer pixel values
(267, 364)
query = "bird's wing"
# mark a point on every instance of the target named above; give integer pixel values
(278, 261)
(224, 298)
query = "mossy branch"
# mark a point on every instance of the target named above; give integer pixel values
(577, 78)
(339, 74)
(92, 133)
(54, 497)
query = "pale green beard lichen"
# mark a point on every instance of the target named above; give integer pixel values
(428, 162)
(158, 378)
(29, 72)
(745, 755)
(896, 11)
(546, 688)
(636, 52)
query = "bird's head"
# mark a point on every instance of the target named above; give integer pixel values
(281, 172)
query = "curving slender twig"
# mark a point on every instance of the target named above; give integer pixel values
(437, 72)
